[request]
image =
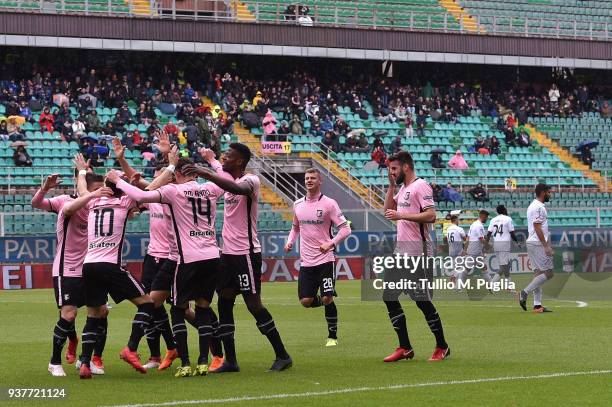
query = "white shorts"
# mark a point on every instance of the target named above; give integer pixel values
(503, 258)
(538, 258)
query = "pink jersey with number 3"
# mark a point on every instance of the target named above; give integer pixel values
(315, 219)
(193, 207)
(106, 228)
(413, 198)
(71, 238)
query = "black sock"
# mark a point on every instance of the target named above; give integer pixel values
(434, 322)
(180, 334)
(331, 316)
(60, 334)
(225, 332)
(316, 302)
(101, 340)
(72, 335)
(90, 335)
(215, 343)
(192, 322)
(398, 320)
(205, 331)
(266, 326)
(162, 326)
(153, 341)
(142, 320)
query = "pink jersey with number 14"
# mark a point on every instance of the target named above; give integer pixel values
(193, 207)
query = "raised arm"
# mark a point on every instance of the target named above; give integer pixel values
(83, 168)
(71, 208)
(389, 201)
(38, 200)
(165, 177)
(222, 181)
(127, 169)
(133, 192)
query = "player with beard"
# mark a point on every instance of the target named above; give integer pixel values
(413, 208)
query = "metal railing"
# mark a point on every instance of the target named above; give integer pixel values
(352, 16)
(282, 183)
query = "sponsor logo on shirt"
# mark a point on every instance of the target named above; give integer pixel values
(232, 201)
(201, 233)
(156, 215)
(102, 245)
(311, 222)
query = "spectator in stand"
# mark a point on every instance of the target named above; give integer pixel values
(380, 157)
(128, 140)
(396, 145)
(362, 143)
(479, 193)
(494, 146)
(296, 125)
(436, 160)
(451, 194)
(25, 111)
(283, 131)
(269, 126)
(377, 141)
(350, 144)
(93, 122)
(523, 138)
(437, 192)
(457, 162)
(606, 110)
(553, 96)
(171, 130)
(480, 146)
(14, 133)
(78, 128)
(46, 120)
(21, 157)
(3, 131)
(586, 156)
(511, 120)
(421, 122)
(409, 122)
(510, 137)
(330, 140)
(341, 127)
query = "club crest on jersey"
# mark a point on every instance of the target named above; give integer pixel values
(319, 213)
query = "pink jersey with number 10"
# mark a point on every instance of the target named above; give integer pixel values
(193, 207)
(106, 228)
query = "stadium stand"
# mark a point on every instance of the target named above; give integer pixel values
(546, 17)
(456, 116)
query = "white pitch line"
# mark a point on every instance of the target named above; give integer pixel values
(367, 389)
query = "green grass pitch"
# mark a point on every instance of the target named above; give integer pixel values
(501, 356)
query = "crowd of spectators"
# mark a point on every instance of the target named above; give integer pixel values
(293, 97)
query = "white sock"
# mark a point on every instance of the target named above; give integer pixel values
(537, 296)
(535, 283)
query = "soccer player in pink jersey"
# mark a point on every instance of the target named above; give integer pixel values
(104, 275)
(313, 218)
(193, 209)
(413, 208)
(67, 272)
(241, 253)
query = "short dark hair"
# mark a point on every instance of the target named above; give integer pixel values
(182, 162)
(404, 157)
(90, 178)
(501, 209)
(243, 150)
(483, 212)
(541, 187)
(454, 218)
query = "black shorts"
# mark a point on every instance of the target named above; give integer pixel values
(241, 272)
(413, 283)
(102, 279)
(320, 277)
(69, 291)
(195, 280)
(157, 274)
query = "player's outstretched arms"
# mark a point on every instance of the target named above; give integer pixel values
(167, 176)
(133, 192)
(38, 200)
(71, 208)
(223, 182)
(83, 168)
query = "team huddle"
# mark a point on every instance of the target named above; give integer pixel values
(185, 266)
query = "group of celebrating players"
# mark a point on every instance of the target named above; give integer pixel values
(184, 263)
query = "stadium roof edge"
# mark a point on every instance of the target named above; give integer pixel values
(319, 52)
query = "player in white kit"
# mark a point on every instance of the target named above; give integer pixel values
(538, 248)
(501, 229)
(455, 239)
(476, 243)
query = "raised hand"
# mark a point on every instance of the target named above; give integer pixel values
(51, 182)
(135, 178)
(173, 156)
(207, 154)
(80, 163)
(103, 192)
(118, 148)
(114, 176)
(163, 143)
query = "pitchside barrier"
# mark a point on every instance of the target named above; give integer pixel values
(25, 262)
